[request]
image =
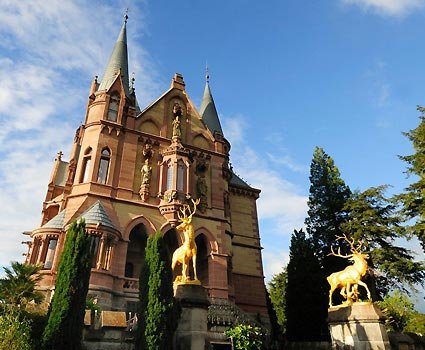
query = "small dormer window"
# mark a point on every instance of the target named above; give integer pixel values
(114, 103)
(85, 171)
(102, 176)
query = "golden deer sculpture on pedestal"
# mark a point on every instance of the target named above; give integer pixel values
(350, 278)
(188, 250)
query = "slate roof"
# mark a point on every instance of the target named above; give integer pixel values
(117, 61)
(56, 222)
(208, 111)
(96, 214)
(237, 181)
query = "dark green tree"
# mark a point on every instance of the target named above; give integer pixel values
(17, 288)
(413, 199)
(328, 195)
(66, 313)
(277, 292)
(305, 311)
(373, 220)
(158, 312)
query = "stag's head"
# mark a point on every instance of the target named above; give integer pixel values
(186, 214)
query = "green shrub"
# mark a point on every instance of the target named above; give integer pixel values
(245, 337)
(15, 333)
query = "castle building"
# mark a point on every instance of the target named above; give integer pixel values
(128, 174)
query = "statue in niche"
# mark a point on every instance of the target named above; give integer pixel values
(177, 133)
(177, 113)
(146, 173)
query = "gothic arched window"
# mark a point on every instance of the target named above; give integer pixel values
(85, 171)
(180, 175)
(105, 157)
(169, 176)
(114, 104)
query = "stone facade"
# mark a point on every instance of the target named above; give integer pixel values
(128, 174)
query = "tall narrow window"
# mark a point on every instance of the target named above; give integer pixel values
(180, 176)
(85, 171)
(114, 103)
(94, 247)
(170, 176)
(102, 175)
(50, 255)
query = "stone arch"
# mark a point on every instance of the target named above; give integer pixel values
(202, 258)
(172, 241)
(150, 227)
(135, 251)
(212, 245)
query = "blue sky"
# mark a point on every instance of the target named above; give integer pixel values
(286, 76)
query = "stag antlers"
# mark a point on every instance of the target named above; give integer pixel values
(353, 248)
(185, 217)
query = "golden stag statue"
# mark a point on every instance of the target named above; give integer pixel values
(349, 279)
(187, 251)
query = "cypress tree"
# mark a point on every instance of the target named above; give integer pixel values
(66, 313)
(158, 309)
(305, 312)
(413, 199)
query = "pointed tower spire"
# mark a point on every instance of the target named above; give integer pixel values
(118, 62)
(208, 111)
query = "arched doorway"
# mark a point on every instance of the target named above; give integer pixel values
(202, 259)
(172, 243)
(136, 251)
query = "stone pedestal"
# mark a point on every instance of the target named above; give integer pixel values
(192, 330)
(357, 327)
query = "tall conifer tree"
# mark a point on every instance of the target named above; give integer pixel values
(413, 198)
(66, 313)
(157, 311)
(328, 195)
(305, 311)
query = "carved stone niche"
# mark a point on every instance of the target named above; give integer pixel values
(146, 171)
(201, 183)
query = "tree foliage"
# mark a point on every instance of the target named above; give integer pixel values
(66, 313)
(305, 311)
(277, 292)
(413, 198)
(245, 337)
(400, 313)
(158, 309)
(373, 220)
(328, 195)
(17, 288)
(15, 332)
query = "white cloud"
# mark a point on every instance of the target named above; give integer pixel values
(51, 50)
(394, 8)
(282, 207)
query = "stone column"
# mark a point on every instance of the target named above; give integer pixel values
(358, 326)
(192, 330)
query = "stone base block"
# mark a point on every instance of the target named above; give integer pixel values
(192, 329)
(358, 327)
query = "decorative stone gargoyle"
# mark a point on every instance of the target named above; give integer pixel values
(349, 279)
(188, 250)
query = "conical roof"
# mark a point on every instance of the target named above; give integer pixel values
(56, 222)
(117, 62)
(209, 112)
(96, 214)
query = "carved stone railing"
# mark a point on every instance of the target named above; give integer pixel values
(224, 313)
(130, 285)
